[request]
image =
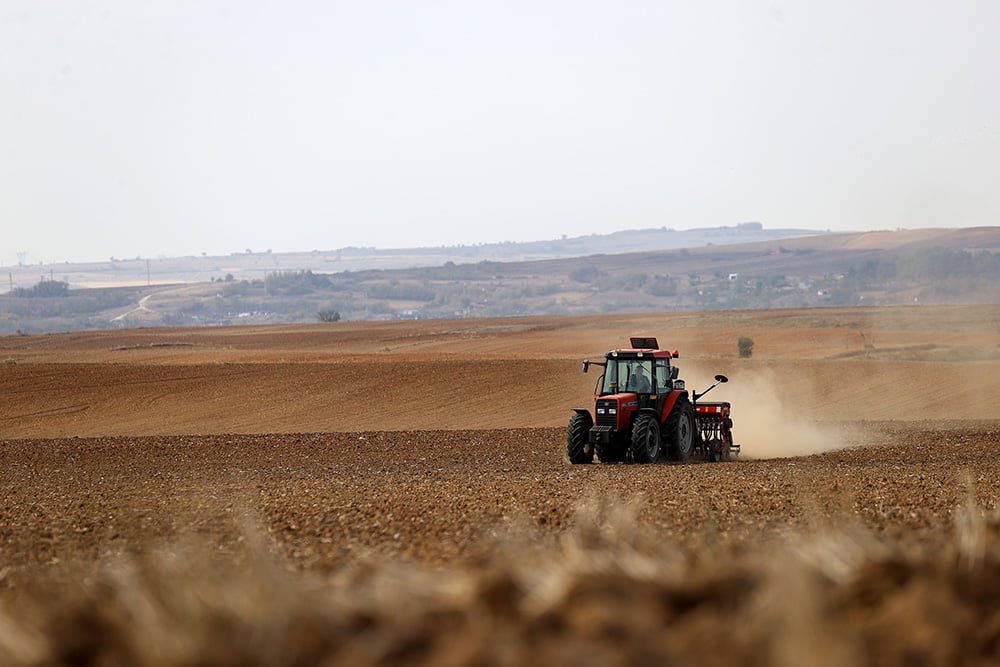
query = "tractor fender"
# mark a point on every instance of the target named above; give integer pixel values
(584, 412)
(668, 405)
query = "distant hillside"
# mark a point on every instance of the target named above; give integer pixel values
(249, 265)
(949, 266)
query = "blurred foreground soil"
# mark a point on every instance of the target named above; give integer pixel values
(485, 547)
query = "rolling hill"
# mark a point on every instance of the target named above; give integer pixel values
(932, 266)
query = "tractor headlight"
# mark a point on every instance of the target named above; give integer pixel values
(612, 411)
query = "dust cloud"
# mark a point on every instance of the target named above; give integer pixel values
(765, 425)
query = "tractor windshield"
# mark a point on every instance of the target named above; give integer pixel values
(628, 375)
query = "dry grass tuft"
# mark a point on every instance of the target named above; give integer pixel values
(609, 592)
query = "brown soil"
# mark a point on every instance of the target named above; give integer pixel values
(856, 522)
(924, 363)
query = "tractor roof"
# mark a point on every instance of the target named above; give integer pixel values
(644, 345)
(654, 354)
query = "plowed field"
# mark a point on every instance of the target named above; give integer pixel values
(397, 493)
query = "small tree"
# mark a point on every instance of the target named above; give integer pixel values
(328, 315)
(745, 345)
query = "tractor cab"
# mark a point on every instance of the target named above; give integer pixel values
(643, 369)
(644, 375)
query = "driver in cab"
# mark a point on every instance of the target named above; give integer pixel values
(637, 381)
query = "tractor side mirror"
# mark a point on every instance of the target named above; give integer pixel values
(673, 372)
(586, 365)
(721, 378)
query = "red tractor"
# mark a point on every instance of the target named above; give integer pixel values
(642, 409)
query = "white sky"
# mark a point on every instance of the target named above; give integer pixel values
(170, 127)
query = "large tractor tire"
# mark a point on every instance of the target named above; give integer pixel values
(577, 434)
(680, 431)
(645, 439)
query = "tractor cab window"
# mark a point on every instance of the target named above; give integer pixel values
(663, 382)
(628, 375)
(639, 375)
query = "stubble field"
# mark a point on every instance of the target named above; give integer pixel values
(397, 493)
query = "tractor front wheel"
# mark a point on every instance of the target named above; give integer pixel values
(576, 439)
(680, 431)
(645, 439)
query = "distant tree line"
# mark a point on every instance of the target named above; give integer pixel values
(295, 282)
(46, 288)
(401, 292)
(929, 264)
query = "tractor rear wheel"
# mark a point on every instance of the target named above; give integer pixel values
(577, 434)
(645, 439)
(680, 431)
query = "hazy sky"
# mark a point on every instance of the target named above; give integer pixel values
(171, 127)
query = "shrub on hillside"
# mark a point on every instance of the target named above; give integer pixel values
(43, 289)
